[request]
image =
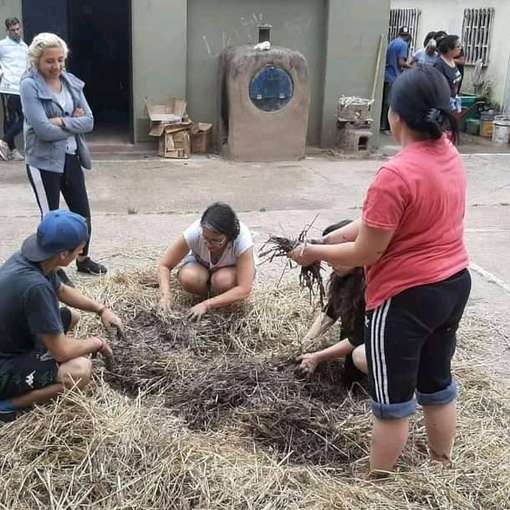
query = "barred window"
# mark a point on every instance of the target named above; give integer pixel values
(476, 34)
(404, 18)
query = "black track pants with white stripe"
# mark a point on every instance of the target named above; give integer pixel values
(47, 187)
(410, 341)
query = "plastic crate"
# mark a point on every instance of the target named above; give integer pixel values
(468, 100)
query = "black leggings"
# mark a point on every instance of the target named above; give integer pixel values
(48, 185)
(385, 125)
(13, 118)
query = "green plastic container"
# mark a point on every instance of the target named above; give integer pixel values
(473, 114)
(468, 100)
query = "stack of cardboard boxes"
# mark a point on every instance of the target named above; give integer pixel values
(177, 134)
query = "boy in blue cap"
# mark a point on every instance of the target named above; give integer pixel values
(37, 359)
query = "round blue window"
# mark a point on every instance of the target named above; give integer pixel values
(271, 88)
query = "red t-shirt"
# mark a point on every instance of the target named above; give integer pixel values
(421, 195)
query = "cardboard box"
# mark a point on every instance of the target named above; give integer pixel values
(171, 111)
(160, 127)
(201, 137)
(170, 123)
(175, 144)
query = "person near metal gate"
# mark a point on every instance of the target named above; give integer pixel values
(427, 55)
(450, 48)
(396, 62)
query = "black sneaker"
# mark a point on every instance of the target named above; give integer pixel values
(6, 417)
(64, 278)
(87, 265)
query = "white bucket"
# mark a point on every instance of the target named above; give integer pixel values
(501, 132)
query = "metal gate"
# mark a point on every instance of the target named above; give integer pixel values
(476, 34)
(404, 18)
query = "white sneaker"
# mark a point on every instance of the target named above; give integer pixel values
(15, 155)
(4, 151)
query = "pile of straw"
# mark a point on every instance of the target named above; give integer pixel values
(224, 423)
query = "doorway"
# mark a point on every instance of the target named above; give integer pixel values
(98, 33)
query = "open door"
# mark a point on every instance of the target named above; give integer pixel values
(98, 33)
(47, 16)
(100, 42)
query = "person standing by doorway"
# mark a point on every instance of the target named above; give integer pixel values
(56, 117)
(13, 63)
(396, 62)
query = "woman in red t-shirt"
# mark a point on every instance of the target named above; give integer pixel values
(410, 240)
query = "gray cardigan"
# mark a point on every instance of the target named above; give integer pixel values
(45, 144)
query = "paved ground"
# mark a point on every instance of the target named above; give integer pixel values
(140, 204)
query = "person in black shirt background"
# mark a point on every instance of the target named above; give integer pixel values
(460, 61)
(450, 48)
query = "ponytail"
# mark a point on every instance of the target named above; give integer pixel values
(421, 97)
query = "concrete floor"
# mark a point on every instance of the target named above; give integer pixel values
(141, 203)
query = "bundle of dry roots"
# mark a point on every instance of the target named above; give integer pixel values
(146, 354)
(310, 277)
(156, 346)
(303, 431)
(299, 420)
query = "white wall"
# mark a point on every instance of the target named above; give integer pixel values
(448, 15)
(8, 9)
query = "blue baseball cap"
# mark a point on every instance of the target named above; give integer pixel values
(59, 231)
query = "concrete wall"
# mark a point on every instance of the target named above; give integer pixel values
(176, 42)
(9, 8)
(216, 24)
(159, 55)
(506, 97)
(354, 30)
(449, 17)
(339, 38)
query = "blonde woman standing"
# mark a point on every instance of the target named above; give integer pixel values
(57, 116)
